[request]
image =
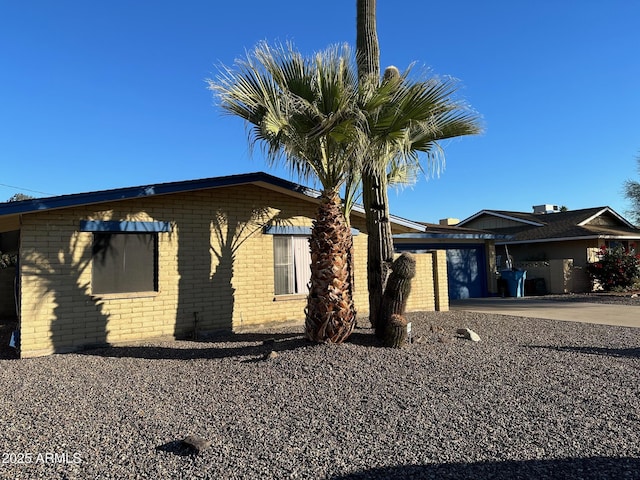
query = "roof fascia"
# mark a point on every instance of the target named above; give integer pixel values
(564, 239)
(127, 193)
(462, 236)
(359, 209)
(257, 178)
(604, 210)
(500, 215)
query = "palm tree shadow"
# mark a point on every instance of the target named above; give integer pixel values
(605, 351)
(215, 241)
(250, 347)
(593, 468)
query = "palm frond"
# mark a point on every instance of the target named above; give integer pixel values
(405, 119)
(301, 110)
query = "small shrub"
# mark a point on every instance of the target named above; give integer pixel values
(7, 260)
(616, 269)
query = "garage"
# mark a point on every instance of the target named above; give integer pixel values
(466, 272)
(468, 257)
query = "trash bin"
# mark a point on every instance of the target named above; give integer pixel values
(515, 281)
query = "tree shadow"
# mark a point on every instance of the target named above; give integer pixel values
(465, 271)
(605, 351)
(60, 275)
(65, 282)
(252, 347)
(591, 468)
(206, 261)
(364, 338)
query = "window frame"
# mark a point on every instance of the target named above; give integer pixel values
(295, 281)
(292, 231)
(125, 230)
(111, 273)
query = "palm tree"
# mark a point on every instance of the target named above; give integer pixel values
(301, 112)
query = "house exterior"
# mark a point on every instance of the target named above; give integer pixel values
(555, 245)
(173, 260)
(470, 256)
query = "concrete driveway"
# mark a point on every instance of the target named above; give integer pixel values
(534, 307)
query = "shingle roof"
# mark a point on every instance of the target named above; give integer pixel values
(89, 198)
(562, 225)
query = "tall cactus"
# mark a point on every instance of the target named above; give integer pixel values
(396, 293)
(395, 332)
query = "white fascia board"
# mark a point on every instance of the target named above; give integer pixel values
(500, 215)
(612, 212)
(393, 219)
(564, 239)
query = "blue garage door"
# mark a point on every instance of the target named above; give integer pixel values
(466, 272)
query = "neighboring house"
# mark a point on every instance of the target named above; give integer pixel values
(174, 260)
(470, 254)
(555, 245)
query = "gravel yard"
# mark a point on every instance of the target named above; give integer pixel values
(533, 399)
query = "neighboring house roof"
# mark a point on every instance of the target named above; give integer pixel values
(9, 209)
(597, 222)
(435, 230)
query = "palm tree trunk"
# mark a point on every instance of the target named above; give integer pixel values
(330, 315)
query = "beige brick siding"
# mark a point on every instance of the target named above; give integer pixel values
(215, 271)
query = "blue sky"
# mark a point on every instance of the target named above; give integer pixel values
(99, 95)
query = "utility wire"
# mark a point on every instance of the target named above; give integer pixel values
(25, 189)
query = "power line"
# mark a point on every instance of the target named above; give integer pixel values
(25, 189)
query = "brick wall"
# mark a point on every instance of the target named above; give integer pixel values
(215, 271)
(429, 289)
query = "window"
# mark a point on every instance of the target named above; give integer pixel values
(124, 255)
(124, 262)
(292, 264)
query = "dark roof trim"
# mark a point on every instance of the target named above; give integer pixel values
(89, 198)
(460, 236)
(78, 199)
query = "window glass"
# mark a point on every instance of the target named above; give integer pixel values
(292, 260)
(124, 262)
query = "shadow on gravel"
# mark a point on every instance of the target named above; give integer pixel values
(176, 447)
(364, 339)
(264, 343)
(608, 352)
(600, 468)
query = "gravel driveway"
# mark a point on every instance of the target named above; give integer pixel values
(533, 399)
